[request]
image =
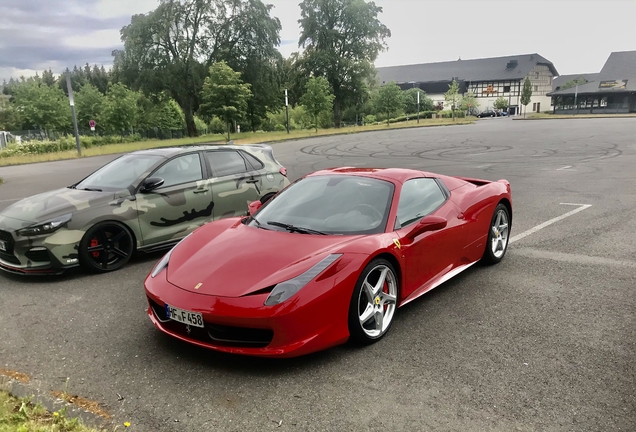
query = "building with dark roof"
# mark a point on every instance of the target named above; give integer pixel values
(611, 91)
(488, 79)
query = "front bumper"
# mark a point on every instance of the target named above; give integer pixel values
(35, 255)
(312, 320)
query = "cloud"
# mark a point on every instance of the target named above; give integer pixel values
(41, 34)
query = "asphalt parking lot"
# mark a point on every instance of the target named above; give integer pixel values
(546, 340)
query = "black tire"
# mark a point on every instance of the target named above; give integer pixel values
(362, 333)
(106, 246)
(497, 238)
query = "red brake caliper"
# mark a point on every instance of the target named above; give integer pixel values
(95, 243)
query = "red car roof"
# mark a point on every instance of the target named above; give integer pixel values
(394, 174)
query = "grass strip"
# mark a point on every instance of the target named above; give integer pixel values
(242, 138)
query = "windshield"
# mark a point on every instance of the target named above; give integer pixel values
(120, 173)
(344, 205)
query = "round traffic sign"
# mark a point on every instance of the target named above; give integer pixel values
(92, 123)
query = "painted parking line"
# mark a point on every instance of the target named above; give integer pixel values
(564, 168)
(551, 221)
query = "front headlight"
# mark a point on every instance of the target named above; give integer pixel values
(45, 227)
(163, 263)
(284, 290)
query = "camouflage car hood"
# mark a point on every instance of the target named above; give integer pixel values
(48, 205)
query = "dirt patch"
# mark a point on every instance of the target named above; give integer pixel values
(18, 376)
(88, 405)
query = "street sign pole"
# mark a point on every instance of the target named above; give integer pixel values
(287, 109)
(72, 102)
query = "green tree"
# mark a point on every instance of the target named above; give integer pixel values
(10, 118)
(410, 98)
(43, 106)
(89, 103)
(317, 98)
(469, 102)
(389, 100)
(120, 110)
(573, 83)
(342, 39)
(171, 48)
(224, 95)
(526, 94)
(453, 97)
(501, 103)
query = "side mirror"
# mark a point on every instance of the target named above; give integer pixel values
(427, 224)
(254, 206)
(151, 184)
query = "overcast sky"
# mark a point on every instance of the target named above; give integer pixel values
(576, 35)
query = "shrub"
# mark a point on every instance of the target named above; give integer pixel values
(280, 128)
(370, 119)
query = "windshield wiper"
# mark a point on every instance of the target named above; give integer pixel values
(91, 190)
(292, 228)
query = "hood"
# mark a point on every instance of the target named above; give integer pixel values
(47, 205)
(236, 260)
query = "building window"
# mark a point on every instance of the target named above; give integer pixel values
(536, 88)
(507, 89)
(534, 106)
(536, 75)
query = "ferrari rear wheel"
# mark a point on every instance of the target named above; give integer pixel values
(373, 303)
(498, 236)
(105, 247)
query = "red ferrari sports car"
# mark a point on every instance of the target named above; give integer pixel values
(329, 259)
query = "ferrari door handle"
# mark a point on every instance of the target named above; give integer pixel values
(200, 191)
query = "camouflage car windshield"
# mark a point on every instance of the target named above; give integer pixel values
(119, 174)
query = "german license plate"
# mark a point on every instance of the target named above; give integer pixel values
(183, 316)
(3, 246)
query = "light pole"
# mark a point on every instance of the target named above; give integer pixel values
(72, 101)
(418, 107)
(287, 109)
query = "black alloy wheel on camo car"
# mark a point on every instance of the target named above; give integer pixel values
(105, 247)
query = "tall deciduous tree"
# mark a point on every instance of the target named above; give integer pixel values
(224, 95)
(342, 39)
(453, 97)
(43, 106)
(171, 48)
(120, 111)
(469, 102)
(389, 100)
(526, 94)
(317, 98)
(89, 103)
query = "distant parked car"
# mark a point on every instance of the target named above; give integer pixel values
(487, 113)
(502, 113)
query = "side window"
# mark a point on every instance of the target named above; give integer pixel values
(419, 198)
(225, 163)
(253, 161)
(183, 169)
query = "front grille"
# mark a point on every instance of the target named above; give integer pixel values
(38, 255)
(217, 334)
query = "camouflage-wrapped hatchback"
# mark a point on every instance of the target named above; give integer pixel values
(146, 200)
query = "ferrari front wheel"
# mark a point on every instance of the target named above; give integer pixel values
(498, 235)
(373, 303)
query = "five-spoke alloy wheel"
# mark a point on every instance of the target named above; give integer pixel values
(373, 303)
(498, 235)
(107, 246)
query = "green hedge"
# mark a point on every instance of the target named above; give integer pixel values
(64, 144)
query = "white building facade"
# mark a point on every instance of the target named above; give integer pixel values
(488, 79)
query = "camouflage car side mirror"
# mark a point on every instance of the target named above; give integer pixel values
(151, 184)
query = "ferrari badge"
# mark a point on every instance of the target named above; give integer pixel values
(397, 244)
(198, 286)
